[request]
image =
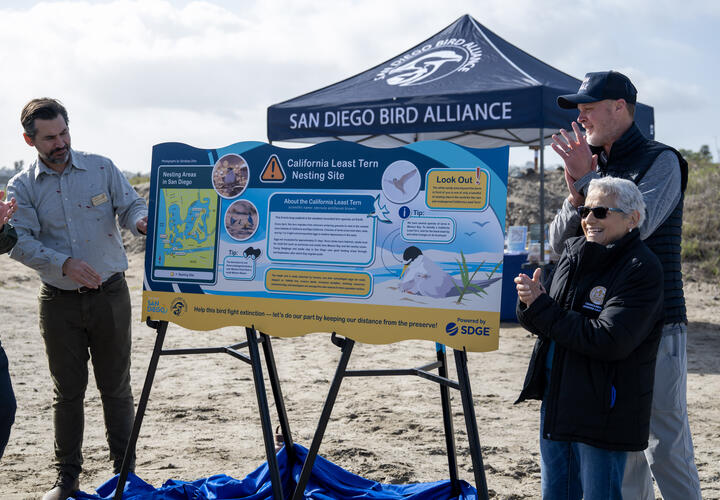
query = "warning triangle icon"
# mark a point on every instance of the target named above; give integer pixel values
(273, 171)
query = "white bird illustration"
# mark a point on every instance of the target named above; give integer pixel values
(422, 68)
(380, 211)
(422, 276)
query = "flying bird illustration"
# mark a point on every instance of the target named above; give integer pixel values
(380, 211)
(399, 184)
(481, 224)
(470, 233)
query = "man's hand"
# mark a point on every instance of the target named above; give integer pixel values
(141, 225)
(7, 208)
(529, 289)
(81, 272)
(575, 153)
(575, 198)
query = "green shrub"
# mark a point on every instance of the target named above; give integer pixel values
(701, 221)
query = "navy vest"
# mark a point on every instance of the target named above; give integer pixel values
(630, 158)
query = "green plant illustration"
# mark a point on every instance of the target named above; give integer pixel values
(468, 286)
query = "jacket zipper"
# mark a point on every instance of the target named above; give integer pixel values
(558, 356)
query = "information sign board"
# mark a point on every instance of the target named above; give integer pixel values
(379, 245)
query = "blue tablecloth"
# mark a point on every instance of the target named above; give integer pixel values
(512, 266)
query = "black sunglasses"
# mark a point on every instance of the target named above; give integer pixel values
(598, 212)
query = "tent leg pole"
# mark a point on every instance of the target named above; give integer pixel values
(471, 423)
(542, 196)
(346, 345)
(264, 414)
(447, 420)
(278, 396)
(161, 329)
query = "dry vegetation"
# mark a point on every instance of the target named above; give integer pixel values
(701, 220)
(701, 223)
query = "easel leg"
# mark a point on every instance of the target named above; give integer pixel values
(471, 423)
(264, 414)
(161, 328)
(278, 396)
(447, 420)
(347, 347)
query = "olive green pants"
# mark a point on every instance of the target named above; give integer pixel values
(77, 327)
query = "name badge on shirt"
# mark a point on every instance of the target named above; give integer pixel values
(99, 199)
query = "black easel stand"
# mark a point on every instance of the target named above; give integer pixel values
(253, 359)
(463, 385)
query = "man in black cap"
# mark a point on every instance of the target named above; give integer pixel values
(613, 145)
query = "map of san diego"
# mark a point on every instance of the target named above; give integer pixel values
(186, 228)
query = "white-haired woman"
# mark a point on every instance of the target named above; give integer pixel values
(598, 326)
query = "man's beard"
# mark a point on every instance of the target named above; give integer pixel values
(52, 159)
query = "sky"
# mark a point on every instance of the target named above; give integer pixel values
(134, 73)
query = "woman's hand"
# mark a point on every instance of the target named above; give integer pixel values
(529, 289)
(7, 208)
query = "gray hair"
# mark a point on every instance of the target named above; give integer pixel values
(627, 195)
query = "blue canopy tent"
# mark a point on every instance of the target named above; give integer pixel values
(464, 84)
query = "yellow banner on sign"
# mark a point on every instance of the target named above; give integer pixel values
(472, 330)
(457, 189)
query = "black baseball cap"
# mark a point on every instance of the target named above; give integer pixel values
(598, 87)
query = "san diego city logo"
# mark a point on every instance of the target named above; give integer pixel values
(431, 62)
(153, 305)
(178, 306)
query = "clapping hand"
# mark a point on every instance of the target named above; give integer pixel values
(7, 208)
(529, 289)
(574, 152)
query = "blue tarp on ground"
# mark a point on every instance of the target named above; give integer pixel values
(327, 482)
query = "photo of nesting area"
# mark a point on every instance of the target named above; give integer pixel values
(241, 220)
(230, 176)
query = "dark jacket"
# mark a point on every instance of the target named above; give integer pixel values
(631, 156)
(603, 310)
(8, 237)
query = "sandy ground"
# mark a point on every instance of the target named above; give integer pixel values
(202, 417)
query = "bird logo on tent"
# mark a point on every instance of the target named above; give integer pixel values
(421, 69)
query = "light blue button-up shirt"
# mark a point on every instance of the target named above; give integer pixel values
(73, 214)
